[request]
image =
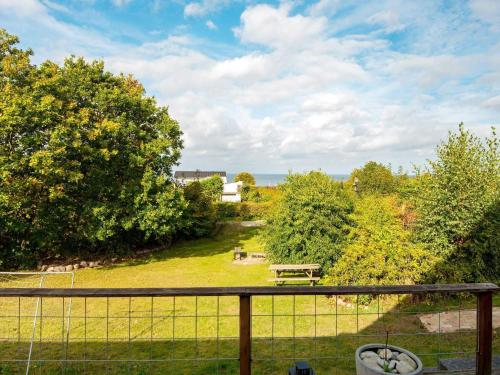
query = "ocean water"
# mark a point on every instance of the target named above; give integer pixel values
(264, 179)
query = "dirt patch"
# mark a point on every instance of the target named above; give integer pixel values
(452, 321)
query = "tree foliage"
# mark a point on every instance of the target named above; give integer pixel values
(85, 159)
(213, 187)
(380, 250)
(457, 199)
(200, 215)
(245, 177)
(310, 222)
(374, 178)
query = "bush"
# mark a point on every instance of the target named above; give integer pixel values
(374, 178)
(243, 210)
(310, 222)
(213, 187)
(199, 216)
(85, 160)
(246, 178)
(457, 199)
(380, 251)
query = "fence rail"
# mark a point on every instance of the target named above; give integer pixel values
(246, 295)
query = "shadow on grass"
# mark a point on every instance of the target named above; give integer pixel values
(229, 237)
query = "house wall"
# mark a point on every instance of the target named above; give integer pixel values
(231, 198)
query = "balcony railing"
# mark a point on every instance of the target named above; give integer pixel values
(244, 330)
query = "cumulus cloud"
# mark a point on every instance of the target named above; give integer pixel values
(296, 95)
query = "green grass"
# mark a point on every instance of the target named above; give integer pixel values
(123, 336)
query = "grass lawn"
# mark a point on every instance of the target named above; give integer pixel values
(188, 335)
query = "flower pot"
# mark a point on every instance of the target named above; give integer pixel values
(366, 362)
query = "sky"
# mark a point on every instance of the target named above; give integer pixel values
(273, 86)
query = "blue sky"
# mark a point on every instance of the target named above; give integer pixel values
(273, 86)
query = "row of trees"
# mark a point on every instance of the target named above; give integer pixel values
(440, 225)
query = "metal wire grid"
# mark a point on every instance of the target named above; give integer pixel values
(104, 338)
(343, 342)
(81, 349)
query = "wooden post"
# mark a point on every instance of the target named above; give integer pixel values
(245, 335)
(484, 333)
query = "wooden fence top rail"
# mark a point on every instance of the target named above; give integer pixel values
(248, 291)
(284, 267)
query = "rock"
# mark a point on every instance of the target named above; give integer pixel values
(114, 260)
(394, 355)
(403, 367)
(91, 264)
(382, 362)
(385, 353)
(371, 362)
(68, 268)
(61, 269)
(403, 357)
(76, 266)
(392, 364)
(83, 264)
(394, 371)
(44, 268)
(50, 269)
(368, 354)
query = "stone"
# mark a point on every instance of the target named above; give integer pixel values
(371, 362)
(385, 353)
(403, 357)
(392, 364)
(114, 259)
(91, 265)
(83, 264)
(382, 362)
(368, 354)
(394, 355)
(68, 268)
(76, 266)
(44, 268)
(50, 269)
(404, 368)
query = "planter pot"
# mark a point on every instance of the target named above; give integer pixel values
(364, 368)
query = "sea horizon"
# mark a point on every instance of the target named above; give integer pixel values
(273, 179)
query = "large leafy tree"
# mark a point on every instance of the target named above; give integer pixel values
(311, 221)
(245, 177)
(85, 158)
(374, 178)
(457, 199)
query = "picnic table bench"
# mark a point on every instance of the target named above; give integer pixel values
(294, 272)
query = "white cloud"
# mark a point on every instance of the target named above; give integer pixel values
(388, 19)
(487, 10)
(211, 25)
(275, 27)
(309, 99)
(202, 8)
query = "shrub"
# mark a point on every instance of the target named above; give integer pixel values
(457, 199)
(374, 178)
(380, 251)
(310, 222)
(200, 215)
(245, 177)
(213, 187)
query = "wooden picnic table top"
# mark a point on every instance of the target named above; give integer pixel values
(294, 267)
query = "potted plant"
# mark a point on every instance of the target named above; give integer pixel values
(376, 359)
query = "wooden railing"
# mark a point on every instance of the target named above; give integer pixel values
(483, 292)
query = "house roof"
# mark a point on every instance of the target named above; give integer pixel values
(198, 174)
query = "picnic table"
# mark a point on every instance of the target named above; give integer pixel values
(294, 272)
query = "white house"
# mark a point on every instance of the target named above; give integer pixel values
(232, 192)
(184, 177)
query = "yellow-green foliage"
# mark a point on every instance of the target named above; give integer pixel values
(380, 250)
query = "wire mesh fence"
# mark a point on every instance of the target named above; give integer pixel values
(116, 333)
